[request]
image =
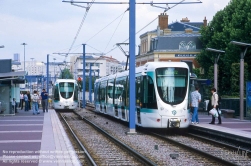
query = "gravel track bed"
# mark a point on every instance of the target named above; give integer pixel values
(102, 150)
(238, 157)
(146, 144)
(82, 158)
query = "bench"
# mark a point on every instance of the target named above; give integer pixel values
(227, 113)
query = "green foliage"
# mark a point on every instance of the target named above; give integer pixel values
(235, 79)
(66, 74)
(197, 72)
(233, 23)
(80, 83)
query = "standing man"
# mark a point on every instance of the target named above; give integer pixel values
(195, 99)
(44, 96)
(35, 100)
(215, 104)
(26, 101)
(21, 100)
(29, 100)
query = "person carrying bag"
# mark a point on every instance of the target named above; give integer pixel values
(215, 105)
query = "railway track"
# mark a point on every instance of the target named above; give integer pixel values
(99, 146)
(212, 152)
(222, 153)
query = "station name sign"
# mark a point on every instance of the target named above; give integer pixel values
(185, 55)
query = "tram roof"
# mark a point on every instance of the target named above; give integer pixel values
(149, 66)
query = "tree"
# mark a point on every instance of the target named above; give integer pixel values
(231, 23)
(66, 74)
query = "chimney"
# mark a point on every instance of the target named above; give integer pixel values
(163, 21)
(205, 22)
(189, 30)
(184, 20)
(166, 31)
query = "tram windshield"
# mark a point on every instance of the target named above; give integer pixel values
(172, 84)
(66, 89)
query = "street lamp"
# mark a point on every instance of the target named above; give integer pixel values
(244, 46)
(24, 44)
(216, 58)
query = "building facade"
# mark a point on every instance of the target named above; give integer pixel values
(178, 41)
(100, 66)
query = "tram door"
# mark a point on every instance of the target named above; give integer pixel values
(148, 95)
(138, 94)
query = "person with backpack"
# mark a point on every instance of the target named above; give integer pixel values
(26, 101)
(195, 99)
(35, 100)
(215, 104)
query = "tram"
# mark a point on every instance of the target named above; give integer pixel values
(65, 94)
(162, 93)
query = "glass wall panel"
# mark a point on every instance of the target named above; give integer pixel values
(5, 106)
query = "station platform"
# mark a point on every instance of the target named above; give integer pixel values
(229, 126)
(35, 140)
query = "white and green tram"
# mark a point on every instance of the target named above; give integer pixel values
(162, 92)
(65, 94)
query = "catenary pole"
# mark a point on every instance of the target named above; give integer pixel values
(83, 76)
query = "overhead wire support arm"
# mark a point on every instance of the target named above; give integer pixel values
(127, 55)
(118, 44)
(87, 8)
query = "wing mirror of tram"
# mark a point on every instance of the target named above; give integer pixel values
(144, 71)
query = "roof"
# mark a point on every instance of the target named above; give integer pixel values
(173, 42)
(181, 26)
(17, 77)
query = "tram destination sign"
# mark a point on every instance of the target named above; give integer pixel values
(185, 55)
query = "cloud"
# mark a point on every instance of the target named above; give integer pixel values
(51, 26)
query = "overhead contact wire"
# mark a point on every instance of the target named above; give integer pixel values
(107, 25)
(80, 27)
(114, 31)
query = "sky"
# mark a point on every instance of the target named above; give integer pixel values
(54, 27)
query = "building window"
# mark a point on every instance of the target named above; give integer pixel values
(191, 45)
(182, 45)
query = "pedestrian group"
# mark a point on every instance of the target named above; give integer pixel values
(32, 100)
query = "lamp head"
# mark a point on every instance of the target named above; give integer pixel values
(240, 43)
(214, 50)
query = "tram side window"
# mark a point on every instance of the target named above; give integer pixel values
(102, 91)
(149, 96)
(127, 91)
(119, 93)
(110, 92)
(56, 92)
(96, 92)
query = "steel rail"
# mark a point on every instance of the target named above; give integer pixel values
(207, 155)
(121, 144)
(91, 161)
(248, 152)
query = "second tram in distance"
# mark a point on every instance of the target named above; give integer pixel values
(65, 94)
(162, 92)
